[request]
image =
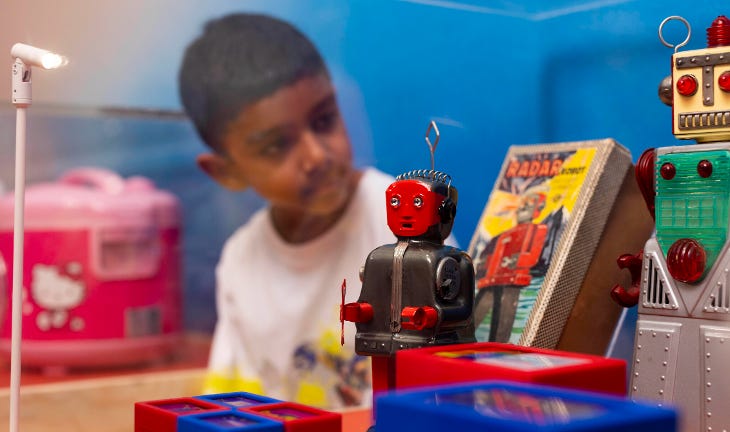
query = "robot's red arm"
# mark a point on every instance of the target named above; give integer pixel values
(419, 318)
(645, 178)
(356, 312)
(619, 294)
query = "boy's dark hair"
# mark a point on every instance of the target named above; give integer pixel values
(238, 60)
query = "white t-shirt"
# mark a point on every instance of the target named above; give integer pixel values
(278, 330)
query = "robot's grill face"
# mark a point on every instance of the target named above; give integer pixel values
(701, 94)
(412, 207)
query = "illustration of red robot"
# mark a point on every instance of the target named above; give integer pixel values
(680, 280)
(417, 292)
(508, 261)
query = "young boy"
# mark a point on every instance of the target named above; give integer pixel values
(260, 96)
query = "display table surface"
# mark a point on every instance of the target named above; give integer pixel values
(103, 400)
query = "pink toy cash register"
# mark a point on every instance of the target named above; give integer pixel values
(102, 276)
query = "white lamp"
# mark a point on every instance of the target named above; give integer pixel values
(25, 57)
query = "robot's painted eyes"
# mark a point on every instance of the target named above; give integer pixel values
(704, 168)
(418, 201)
(667, 171)
(724, 82)
(395, 202)
(687, 85)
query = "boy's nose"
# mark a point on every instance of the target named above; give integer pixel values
(314, 153)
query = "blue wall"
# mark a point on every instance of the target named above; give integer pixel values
(511, 73)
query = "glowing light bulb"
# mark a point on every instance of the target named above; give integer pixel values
(53, 61)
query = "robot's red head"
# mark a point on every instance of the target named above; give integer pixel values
(530, 208)
(421, 204)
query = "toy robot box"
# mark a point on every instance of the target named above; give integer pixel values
(546, 245)
(102, 275)
(503, 406)
(490, 360)
(233, 412)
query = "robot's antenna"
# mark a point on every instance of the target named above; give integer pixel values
(674, 18)
(432, 146)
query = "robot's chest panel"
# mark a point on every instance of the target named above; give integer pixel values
(515, 239)
(692, 194)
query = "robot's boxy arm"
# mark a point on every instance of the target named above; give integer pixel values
(419, 318)
(356, 312)
(645, 178)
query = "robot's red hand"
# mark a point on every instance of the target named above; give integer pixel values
(418, 318)
(626, 298)
(619, 294)
(356, 312)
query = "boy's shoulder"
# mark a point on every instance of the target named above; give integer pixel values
(242, 237)
(375, 181)
(370, 197)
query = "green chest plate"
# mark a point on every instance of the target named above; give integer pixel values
(691, 206)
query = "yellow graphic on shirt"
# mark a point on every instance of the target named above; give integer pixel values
(222, 383)
(311, 393)
(330, 343)
(323, 374)
(326, 374)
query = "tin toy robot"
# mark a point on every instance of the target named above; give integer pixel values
(681, 280)
(417, 292)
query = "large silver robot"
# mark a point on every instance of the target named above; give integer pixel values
(682, 277)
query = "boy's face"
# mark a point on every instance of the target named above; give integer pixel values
(291, 147)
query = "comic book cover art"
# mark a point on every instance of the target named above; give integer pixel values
(518, 233)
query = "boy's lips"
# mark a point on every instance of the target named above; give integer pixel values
(323, 187)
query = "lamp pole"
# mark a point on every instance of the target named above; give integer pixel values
(25, 56)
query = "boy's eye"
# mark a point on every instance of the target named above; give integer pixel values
(275, 147)
(418, 201)
(324, 122)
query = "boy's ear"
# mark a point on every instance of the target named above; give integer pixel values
(222, 170)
